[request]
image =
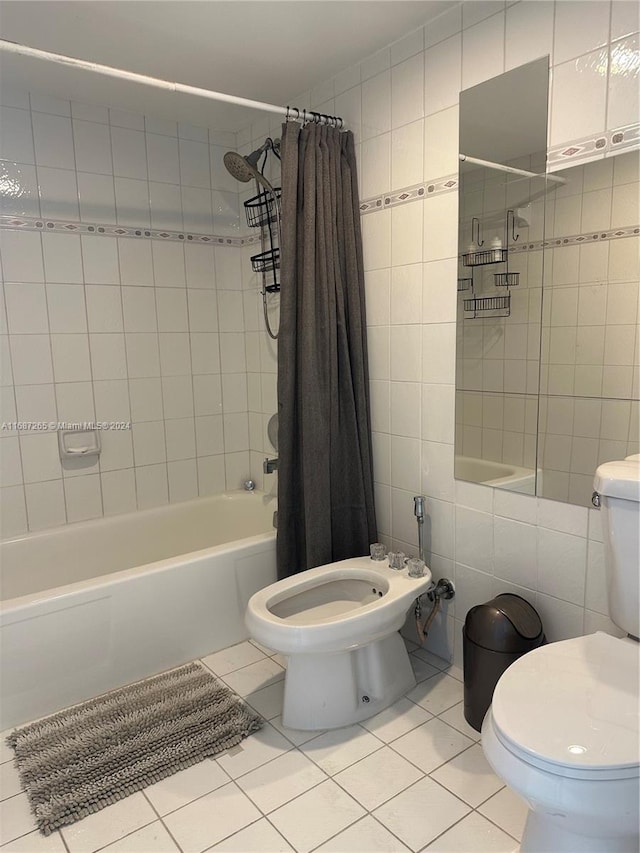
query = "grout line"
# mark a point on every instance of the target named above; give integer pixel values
(160, 818)
(327, 777)
(115, 840)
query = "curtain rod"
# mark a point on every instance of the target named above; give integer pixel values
(179, 88)
(464, 158)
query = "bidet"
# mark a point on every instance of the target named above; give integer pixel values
(339, 627)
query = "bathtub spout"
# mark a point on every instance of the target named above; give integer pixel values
(269, 466)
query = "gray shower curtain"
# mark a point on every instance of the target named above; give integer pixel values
(325, 480)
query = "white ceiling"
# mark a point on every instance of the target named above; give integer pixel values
(261, 49)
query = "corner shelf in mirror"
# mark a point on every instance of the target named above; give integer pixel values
(506, 279)
(484, 256)
(488, 303)
(465, 284)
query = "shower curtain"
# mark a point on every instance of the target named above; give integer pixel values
(325, 479)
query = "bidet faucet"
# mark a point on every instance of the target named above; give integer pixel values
(418, 510)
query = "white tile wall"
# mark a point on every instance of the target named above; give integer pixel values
(466, 45)
(119, 329)
(592, 321)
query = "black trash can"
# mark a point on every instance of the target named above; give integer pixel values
(495, 634)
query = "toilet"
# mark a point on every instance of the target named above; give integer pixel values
(563, 729)
(338, 627)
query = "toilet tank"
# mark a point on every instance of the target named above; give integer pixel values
(618, 484)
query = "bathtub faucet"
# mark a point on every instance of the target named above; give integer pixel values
(270, 465)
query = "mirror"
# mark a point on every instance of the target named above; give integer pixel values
(589, 377)
(547, 324)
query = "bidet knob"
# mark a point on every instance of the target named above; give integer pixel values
(377, 551)
(396, 559)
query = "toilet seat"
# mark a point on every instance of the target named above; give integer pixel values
(571, 708)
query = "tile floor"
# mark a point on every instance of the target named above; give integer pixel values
(412, 778)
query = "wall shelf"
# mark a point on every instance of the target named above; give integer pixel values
(506, 279)
(488, 303)
(484, 257)
(261, 209)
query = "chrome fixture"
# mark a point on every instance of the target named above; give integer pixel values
(245, 168)
(595, 500)
(248, 485)
(418, 510)
(261, 211)
(443, 589)
(269, 465)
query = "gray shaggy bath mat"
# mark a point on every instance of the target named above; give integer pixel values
(80, 760)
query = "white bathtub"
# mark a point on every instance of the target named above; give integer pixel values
(95, 605)
(499, 474)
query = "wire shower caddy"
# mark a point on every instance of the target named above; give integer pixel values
(475, 305)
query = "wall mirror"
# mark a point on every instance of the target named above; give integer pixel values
(547, 376)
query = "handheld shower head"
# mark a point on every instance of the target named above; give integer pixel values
(245, 168)
(239, 167)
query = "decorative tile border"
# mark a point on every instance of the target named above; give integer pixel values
(31, 223)
(592, 148)
(414, 193)
(560, 157)
(575, 239)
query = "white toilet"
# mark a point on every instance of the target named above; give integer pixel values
(563, 730)
(338, 627)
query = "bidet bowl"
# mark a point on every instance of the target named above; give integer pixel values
(333, 608)
(338, 626)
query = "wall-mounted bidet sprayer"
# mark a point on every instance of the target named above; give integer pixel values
(418, 510)
(443, 589)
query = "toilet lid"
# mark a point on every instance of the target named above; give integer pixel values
(572, 707)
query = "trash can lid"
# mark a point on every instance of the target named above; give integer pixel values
(507, 623)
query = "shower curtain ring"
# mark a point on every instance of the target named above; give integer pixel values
(304, 116)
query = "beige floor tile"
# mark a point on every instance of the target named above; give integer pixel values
(316, 816)
(338, 748)
(150, 839)
(378, 777)
(438, 693)
(508, 810)
(431, 744)
(280, 780)
(109, 824)
(213, 817)
(421, 813)
(260, 747)
(260, 837)
(469, 776)
(473, 834)
(235, 657)
(365, 836)
(396, 720)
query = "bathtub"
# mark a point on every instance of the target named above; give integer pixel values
(499, 474)
(95, 605)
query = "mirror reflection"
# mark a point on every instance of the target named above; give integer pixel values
(501, 230)
(547, 380)
(589, 376)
